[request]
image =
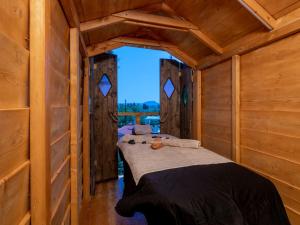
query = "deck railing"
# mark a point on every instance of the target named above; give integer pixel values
(138, 115)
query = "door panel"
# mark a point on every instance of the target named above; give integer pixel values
(104, 108)
(170, 97)
(186, 102)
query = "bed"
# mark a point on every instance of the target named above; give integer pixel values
(187, 186)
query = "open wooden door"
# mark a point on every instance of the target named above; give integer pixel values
(176, 98)
(170, 97)
(104, 121)
(186, 101)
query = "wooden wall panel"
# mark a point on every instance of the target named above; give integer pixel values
(216, 109)
(14, 112)
(14, 196)
(270, 112)
(59, 152)
(14, 66)
(14, 143)
(17, 13)
(76, 103)
(59, 93)
(60, 180)
(60, 122)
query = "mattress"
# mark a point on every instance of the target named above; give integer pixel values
(182, 186)
(142, 159)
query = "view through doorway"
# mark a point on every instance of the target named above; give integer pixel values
(138, 76)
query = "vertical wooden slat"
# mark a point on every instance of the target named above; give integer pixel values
(74, 104)
(197, 105)
(86, 132)
(236, 108)
(39, 108)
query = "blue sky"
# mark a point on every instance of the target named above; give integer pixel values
(138, 74)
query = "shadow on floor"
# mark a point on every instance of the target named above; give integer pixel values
(101, 209)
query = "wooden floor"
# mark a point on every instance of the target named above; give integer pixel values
(100, 210)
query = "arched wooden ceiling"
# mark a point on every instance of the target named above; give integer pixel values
(199, 32)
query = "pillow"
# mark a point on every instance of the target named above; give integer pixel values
(142, 129)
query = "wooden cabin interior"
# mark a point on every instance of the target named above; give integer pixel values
(245, 61)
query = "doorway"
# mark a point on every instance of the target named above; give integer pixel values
(115, 109)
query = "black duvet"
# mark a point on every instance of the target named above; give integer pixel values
(219, 194)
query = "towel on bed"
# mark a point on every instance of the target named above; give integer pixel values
(182, 143)
(167, 141)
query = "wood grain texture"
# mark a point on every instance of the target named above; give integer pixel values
(86, 131)
(186, 102)
(39, 111)
(64, 201)
(14, 143)
(60, 122)
(14, 200)
(279, 8)
(76, 124)
(88, 10)
(101, 209)
(59, 23)
(104, 106)
(60, 91)
(270, 112)
(170, 107)
(59, 97)
(17, 13)
(215, 16)
(60, 149)
(236, 105)
(14, 69)
(217, 109)
(14, 112)
(197, 105)
(59, 181)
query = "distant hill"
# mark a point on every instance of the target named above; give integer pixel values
(151, 103)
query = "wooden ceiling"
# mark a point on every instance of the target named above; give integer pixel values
(198, 31)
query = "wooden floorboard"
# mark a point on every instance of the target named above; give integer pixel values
(101, 209)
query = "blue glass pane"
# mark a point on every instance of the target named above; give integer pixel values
(104, 85)
(169, 88)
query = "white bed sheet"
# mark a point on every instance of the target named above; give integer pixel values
(142, 159)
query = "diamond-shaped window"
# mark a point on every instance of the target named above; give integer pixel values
(169, 88)
(104, 84)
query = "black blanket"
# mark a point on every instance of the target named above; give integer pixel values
(219, 194)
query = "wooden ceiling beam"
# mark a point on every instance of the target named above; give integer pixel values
(144, 43)
(207, 41)
(260, 13)
(153, 21)
(178, 53)
(154, 26)
(100, 48)
(139, 16)
(99, 23)
(138, 41)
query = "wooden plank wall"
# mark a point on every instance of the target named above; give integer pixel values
(14, 112)
(216, 109)
(270, 117)
(59, 90)
(264, 91)
(77, 78)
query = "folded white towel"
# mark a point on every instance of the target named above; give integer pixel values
(183, 143)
